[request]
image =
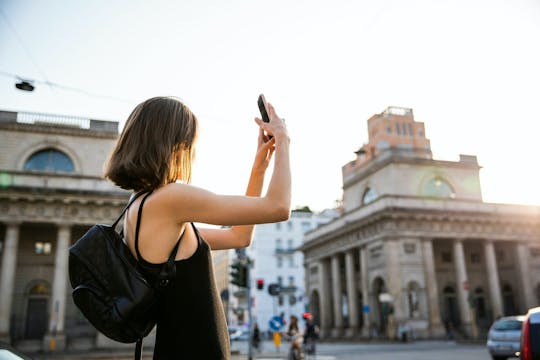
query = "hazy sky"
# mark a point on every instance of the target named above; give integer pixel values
(469, 69)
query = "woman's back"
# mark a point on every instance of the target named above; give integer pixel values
(191, 322)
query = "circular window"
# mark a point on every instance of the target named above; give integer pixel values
(49, 160)
(438, 187)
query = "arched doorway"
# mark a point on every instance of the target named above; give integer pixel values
(508, 300)
(315, 307)
(450, 306)
(482, 318)
(37, 311)
(381, 310)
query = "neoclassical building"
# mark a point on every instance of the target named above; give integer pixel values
(51, 192)
(416, 245)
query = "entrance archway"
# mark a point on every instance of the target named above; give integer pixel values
(315, 307)
(380, 310)
(451, 309)
(37, 311)
(508, 300)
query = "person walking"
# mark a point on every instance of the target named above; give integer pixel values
(154, 154)
(296, 338)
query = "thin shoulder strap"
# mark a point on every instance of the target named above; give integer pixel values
(137, 227)
(168, 270)
(133, 198)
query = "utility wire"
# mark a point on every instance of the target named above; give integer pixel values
(23, 45)
(66, 88)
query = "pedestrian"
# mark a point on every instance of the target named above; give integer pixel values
(256, 339)
(155, 154)
(296, 339)
(311, 334)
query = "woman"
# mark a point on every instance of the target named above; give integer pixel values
(296, 338)
(154, 154)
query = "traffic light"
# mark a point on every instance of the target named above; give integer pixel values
(239, 274)
(260, 284)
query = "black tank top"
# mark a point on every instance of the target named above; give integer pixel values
(191, 322)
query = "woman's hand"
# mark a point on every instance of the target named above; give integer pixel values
(265, 149)
(276, 127)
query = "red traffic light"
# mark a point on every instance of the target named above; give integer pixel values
(307, 316)
(260, 284)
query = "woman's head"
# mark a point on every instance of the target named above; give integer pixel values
(156, 146)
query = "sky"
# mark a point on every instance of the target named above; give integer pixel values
(469, 69)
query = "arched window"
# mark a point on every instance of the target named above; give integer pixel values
(438, 187)
(49, 160)
(369, 196)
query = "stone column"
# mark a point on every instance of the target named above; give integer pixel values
(364, 283)
(55, 339)
(461, 283)
(352, 293)
(337, 295)
(524, 273)
(393, 269)
(493, 279)
(7, 278)
(436, 328)
(325, 298)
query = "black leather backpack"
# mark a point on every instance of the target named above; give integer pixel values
(108, 286)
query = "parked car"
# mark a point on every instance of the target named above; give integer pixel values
(530, 336)
(504, 337)
(9, 353)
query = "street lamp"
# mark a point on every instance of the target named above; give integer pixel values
(24, 85)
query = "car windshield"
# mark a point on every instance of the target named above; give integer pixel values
(503, 325)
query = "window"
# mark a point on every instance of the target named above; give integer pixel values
(409, 126)
(290, 244)
(291, 280)
(279, 261)
(291, 261)
(278, 226)
(306, 225)
(412, 297)
(446, 256)
(292, 300)
(438, 187)
(49, 160)
(278, 244)
(289, 225)
(42, 248)
(279, 280)
(398, 129)
(369, 196)
(280, 300)
(388, 129)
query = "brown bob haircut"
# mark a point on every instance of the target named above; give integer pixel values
(156, 146)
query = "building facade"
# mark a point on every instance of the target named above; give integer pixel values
(416, 247)
(277, 260)
(51, 192)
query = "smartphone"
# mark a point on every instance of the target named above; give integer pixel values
(262, 108)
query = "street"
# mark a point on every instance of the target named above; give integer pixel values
(419, 350)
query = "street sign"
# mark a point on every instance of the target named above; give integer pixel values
(275, 323)
(365, 308)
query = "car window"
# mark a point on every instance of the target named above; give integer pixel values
(8, 355)
(507, 325)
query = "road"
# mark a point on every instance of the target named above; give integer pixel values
(418, 350)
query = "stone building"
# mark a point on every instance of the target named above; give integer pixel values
(51, 192)
(417, 246)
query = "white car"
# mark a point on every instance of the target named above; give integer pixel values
(504, 337)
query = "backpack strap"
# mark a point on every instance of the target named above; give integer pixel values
(133, 198)
(168, 270)
(138, 349)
